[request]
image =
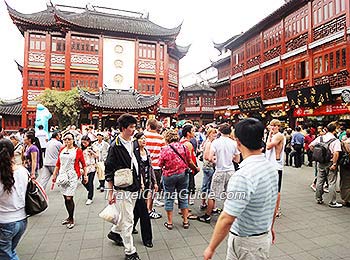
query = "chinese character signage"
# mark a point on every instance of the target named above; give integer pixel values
(311, 96)
(252, 104)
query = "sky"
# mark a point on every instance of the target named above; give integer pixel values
(203, 23)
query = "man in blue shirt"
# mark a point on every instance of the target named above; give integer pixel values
(298, 144)
(249, 209)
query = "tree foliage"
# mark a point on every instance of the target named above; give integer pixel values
(65, 106)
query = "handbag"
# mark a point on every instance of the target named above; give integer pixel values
(124, 177)
(36, 200)
(110, 213)
(188, 170)
(62, 179)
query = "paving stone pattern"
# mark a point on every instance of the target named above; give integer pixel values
(305, 231)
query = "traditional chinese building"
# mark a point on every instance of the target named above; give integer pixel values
(197, 104)
(292, 65)
(99, 49)
(10, 114)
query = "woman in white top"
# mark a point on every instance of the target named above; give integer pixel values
(13, 187)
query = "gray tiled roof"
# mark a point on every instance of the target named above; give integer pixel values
(115, 23)
(94, 20)
(198, 87)
(119, 99)
(11, 107)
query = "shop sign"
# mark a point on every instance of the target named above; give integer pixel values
(251, 104)
(335, 109)
(311, 96)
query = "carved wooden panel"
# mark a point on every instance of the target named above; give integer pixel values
(330, 28)
(273, 53)
(296, 43)
(270, 93)
(335, 80)
(297, 85)
(254, 94)
(237, 69)
(36, 59)
(147, 66)
(253, 62)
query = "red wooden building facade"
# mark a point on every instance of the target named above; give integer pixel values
(303, 44)
(97, 48)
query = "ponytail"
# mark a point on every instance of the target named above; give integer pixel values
(6, 171)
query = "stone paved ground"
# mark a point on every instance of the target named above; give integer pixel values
(305, 230)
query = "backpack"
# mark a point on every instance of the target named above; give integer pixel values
(321, 152)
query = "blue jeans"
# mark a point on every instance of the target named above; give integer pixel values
(10, 234)
(207, 176)
(178, 183)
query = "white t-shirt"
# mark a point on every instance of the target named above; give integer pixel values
(335, 146)
(12, 205)
(43, 137)
(224, 149)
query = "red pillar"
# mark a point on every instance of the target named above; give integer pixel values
(166, 75)
(68, 62)
(25, 80)
(47, 61)
(157, 83)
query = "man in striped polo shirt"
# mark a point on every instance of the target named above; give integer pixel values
(154, 143)
(251, 200)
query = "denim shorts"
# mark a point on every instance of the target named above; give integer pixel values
(176, 186)
(207, 176)
(10, 234)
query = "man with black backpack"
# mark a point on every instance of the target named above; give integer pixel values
(326, 150)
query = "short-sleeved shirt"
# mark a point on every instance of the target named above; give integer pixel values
(52, 149)
(170, 162)
(335, 146)
(43, 136)
(224, 148)
(28, 157)
(252, 195)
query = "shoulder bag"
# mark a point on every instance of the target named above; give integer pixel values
(36, 198)
(123, 177)
(188, 170)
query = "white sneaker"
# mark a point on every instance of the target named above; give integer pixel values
(176, 202)
(88, 202)
(158, 203)
(191, 202)
(335, 205)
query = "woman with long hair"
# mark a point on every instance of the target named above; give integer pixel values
(70, 159)
(90, 157)
(148, 180)
(31, 154)
(13, 187)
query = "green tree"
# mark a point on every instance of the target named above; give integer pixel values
(65, 106)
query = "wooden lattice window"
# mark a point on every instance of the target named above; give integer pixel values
(37, 42)
(147, 51)
(84, 45)
(36, 79)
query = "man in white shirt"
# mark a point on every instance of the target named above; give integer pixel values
(43, 137)
(102, 147)
(222, 152)
(328, 170)
(52, 150)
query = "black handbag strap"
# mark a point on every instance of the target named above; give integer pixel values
(179, 153)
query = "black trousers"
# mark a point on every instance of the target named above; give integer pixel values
(89, 186)
(141, 212)
(298, 153)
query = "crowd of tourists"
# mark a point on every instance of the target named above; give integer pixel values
(242, 168)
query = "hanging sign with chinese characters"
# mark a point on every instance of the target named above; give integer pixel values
(252, 104)
(311, 96)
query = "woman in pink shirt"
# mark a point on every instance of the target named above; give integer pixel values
(174, 160)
